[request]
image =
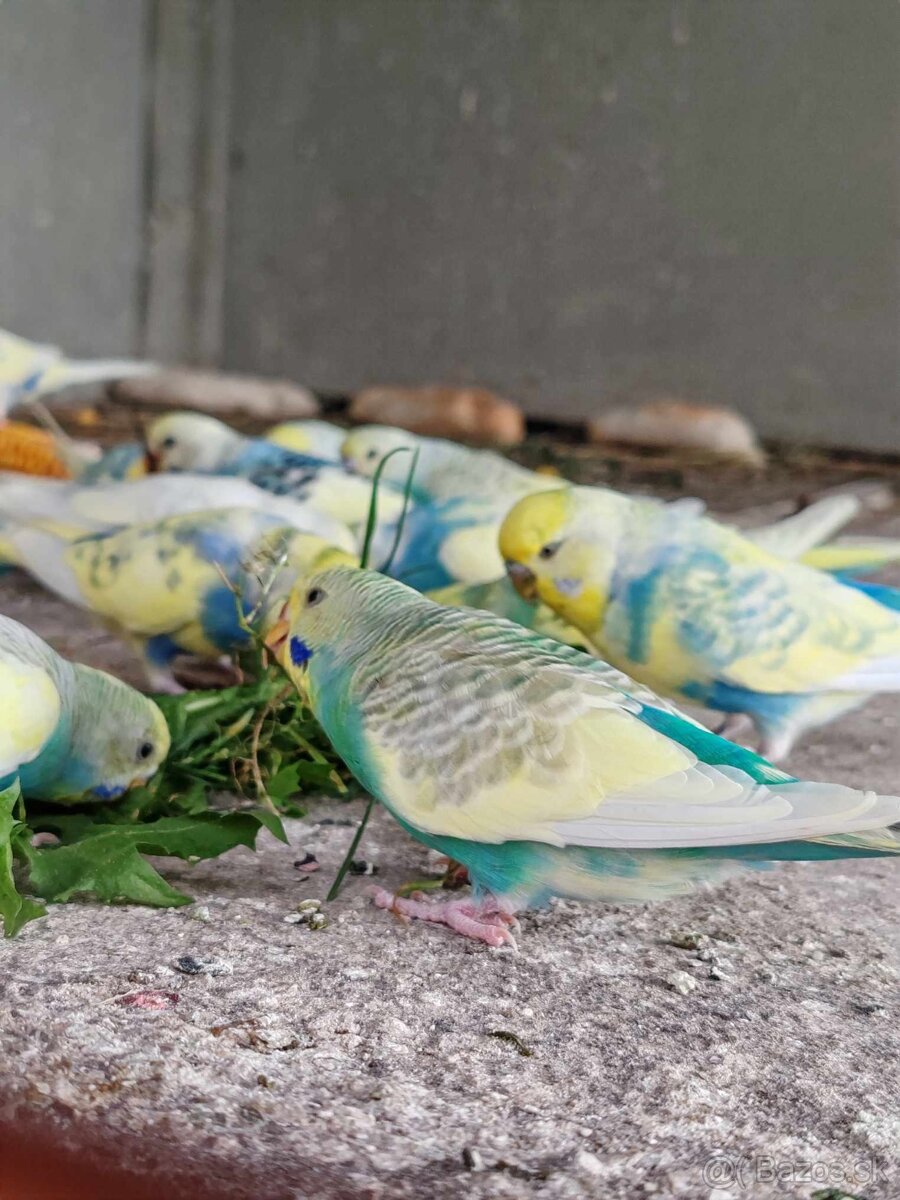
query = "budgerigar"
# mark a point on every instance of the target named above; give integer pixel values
(501, 598)
(193, 442)
(167, 586)
(190, 441)
(694, 609)
(444, 471)
(66, 730)
(74, 509)
(544, 771)
(29, 370)
(127, 460)
(319, 438)
(443, 542)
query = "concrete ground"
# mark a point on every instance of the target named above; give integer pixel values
(740, 1042)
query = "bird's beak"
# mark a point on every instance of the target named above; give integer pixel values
(152, 461)
(277, 636)
(523, 580)
(347, 464)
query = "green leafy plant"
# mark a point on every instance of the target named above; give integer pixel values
(241, 758)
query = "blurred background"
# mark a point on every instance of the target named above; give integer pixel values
(572, 202)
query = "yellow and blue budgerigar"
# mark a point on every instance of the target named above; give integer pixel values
(544, 771)
(319, 438)
(442, 542)
(68, 731)
(73, 508)
(190, 441)
(184, 585)
(29, 370)
(694, 609)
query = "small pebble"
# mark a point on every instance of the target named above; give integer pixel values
(199, 912)
(587, 1163)
(317, 920)
(360, 866)
(309, 906)
(188, 965)
(294, 918)
(689, 941)
(681, 982)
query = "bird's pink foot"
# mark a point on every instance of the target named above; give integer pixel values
(489, 920)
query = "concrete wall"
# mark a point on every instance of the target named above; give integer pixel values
(566, 199)
(72, 112)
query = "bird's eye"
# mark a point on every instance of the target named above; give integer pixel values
(167, 443)
(370, 454)
(145, 750)
(314, 596)
(549, 550)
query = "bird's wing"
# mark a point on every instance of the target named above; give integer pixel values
(30, 707)
(795, 535)
(854, 554)
(768, 626)
(496, 735)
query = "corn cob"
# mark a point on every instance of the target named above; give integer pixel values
(29, 450)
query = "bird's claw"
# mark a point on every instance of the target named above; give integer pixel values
(487, 922)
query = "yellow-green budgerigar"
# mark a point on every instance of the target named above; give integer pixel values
(72, 508)
(68, 731)
(694, 609)
(168, 587)
(29, 370)
(544, 771)
(319, 438)
(445, 470)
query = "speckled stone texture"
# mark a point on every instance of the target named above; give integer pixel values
(740, 1042)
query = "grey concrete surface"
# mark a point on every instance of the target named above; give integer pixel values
(362, 1061)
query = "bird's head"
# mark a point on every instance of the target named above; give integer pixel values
(336, 613)
(188, 441)
(118, 738)
(364, 448)
(554, 552)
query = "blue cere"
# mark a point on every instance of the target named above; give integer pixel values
(300, 652)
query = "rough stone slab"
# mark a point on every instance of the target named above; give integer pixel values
(360, 1061)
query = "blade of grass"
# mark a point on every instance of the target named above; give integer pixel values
(407, 495)
(372, 518)
(334, 890)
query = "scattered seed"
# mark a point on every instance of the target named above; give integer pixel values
(472, 1160)
(188, 965)
(514, 1040)
(361, 866)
